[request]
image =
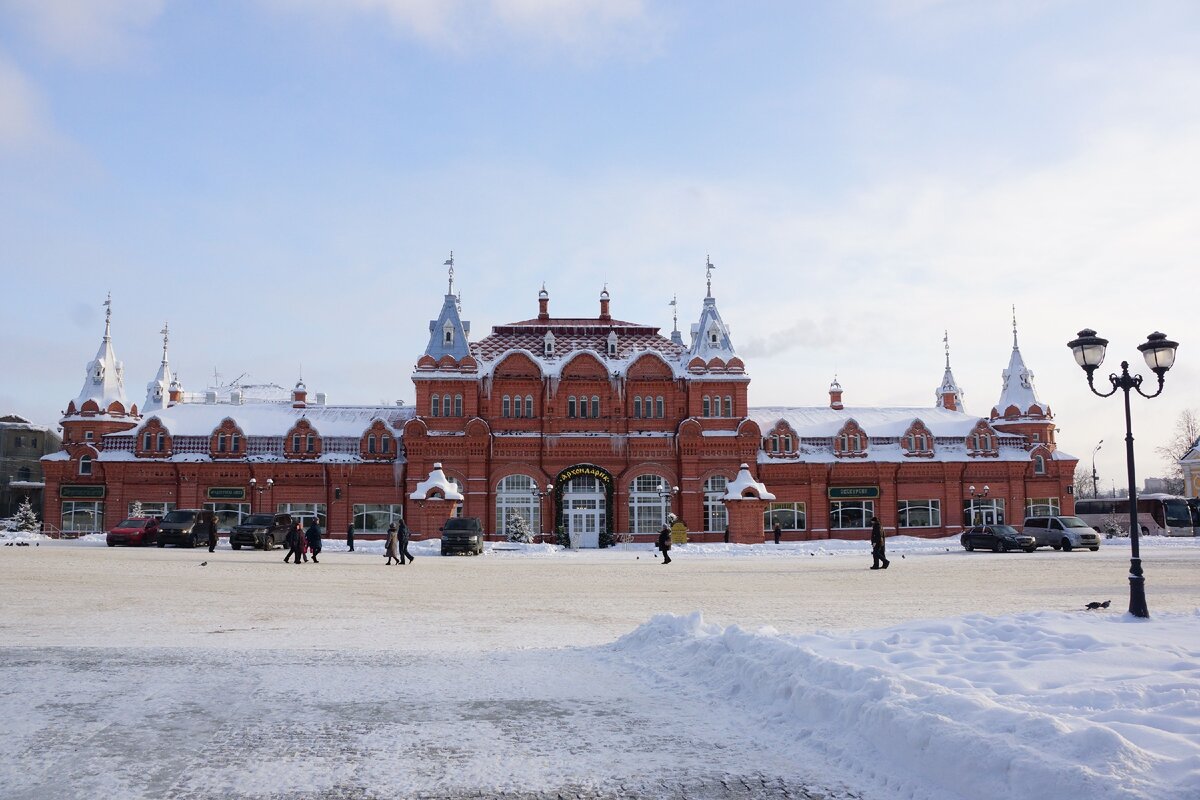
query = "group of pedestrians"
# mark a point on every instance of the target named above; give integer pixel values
(301, 542)
(397, 544)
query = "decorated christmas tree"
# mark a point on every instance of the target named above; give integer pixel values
(26, 518)
(516, 528)
(136, 509)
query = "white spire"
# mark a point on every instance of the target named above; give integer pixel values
(710, 336)
(105, 381)
(949, 385)
(158, 391)
(1018, 389)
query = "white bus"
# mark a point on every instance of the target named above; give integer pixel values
(1158, 515)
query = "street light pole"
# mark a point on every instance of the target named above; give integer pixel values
(1095, 476)
(1159, 354)
(977, 496)
(540, 494)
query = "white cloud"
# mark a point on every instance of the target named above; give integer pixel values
(23, 121)
(86, 31)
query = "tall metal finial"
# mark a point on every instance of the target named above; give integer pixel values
(449, 262)
(708, 268)
(946, 342)
(107, 313)
(458, 301)
(166, 334)
(1014, 309)
(216, 378)
(674, 304)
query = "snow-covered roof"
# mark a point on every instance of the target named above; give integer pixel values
(448, 333)
(105, 379)
(274, 419)
(710, 336)
(744, 486)
(436, 483)
(1017, 389)
(572, 337)
(158, 390)
(822, 421)
(896, 454)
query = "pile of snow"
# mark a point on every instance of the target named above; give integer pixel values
(1085, 706)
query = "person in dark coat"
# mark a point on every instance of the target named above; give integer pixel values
(778, 532)
(878, 545)
(350, 537)
(391, 548)
(402, 535)
(312, 537)
(294, 541)
(664, 542)
(726, 534)
(210, 519)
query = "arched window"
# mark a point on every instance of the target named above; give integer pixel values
(435, 406)
(446, 406)
(235, 443)
(147, 440)
(85, 465)
(647, 506)
(715, 516)
(1039, 465)
(310, 444)
(529, 405)
(371, 443)
(658, 407)
(161, 441)
(595, 407)
(705, 407)
(221, 442)
(24, 474)
(296, 443)
(515, 497)
(506, 406)
(571, 406)
(787, 443)
(637, 408)
(728, 406)
(385, 443)
(458, 408)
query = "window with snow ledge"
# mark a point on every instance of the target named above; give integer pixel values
(851, 442)
(85, 465)
(1039, 465)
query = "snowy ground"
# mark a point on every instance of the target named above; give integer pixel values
(736, 671)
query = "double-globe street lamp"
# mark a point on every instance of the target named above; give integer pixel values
(541, 494)
(1096, 475)
(254, 487)
(667, 493)
(976, 518)
(1159, 353)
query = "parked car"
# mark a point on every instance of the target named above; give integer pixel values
(136, 531)
(462, 536)
(258, 531)
(999, 538)
(1061, 533)
(179, 527)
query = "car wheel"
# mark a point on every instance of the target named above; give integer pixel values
(1094, 549)
(235, 546)
(112, 544)
(1030, 549)
(1066, 545)
(162, 544)
(969, 547)
(1055, 547)
(270, 543)
(1002, 547)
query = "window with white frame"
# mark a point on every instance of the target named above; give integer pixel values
(506, 406)
(82, 516)
(1039, 465)
(85, 465)
(919, 513)
(715, 515)
(152, 509)
(376, 517)
(850, 514)
(228, 514)
(983, 511)
(571, 406)
(1042, 507)
(595, 407)
(706, 406)
(529, 405)
(435, 406)
(658, 406)
(458, 405)
(304, 508)
(648, 507)
(637, 408)
(514, 496)
(790, 516)
(446, 405)
(728, 406)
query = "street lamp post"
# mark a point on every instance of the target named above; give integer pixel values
(254, 487)
(1095, 475)
(667, 493)
(1159, 354)
(540, 494)
(977, 519)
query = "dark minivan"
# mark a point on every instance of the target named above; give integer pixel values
(267, 531)
(179, 527)
(462, 536)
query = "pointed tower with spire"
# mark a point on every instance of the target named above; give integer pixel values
(1019, 409)
(448, 334)
(158, 391)
(949, 396)
(717, 389)
(101, 406)
(710, 336)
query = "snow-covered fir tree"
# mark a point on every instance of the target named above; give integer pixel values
(26, 518)
(517, 529)
(136, 509)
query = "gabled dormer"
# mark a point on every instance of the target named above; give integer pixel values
(153, 440)
(983, 440)
(302, 441)
(851, 441)
(227, 441)
(917, 441)
(781, 440)
(378, 443)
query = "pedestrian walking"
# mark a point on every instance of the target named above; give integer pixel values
(664, 540)
(350, 537)
(391, 548)
(312, 537)
(210, 519)
(402, 535)
(878, 545)
(726, 534)
(778, 532)
(294, 539)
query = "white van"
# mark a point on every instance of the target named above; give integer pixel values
(1061, 533)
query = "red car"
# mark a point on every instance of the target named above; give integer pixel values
(135, 531)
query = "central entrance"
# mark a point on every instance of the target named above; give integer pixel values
(584, 504)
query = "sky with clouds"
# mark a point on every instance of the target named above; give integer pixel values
(281, 180)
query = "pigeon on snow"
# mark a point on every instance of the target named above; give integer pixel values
(1092, 606)
(204, 563)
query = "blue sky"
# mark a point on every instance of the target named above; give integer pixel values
(281, 180)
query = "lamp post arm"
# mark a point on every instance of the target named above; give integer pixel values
(1114, 379)
(1138, 387)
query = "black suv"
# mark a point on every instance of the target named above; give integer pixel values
(266, 531)
(179, 527)
(462, 536)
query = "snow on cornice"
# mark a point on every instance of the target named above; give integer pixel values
(274, 419)
(822, 421)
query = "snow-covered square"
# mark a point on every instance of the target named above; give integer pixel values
(534, 672)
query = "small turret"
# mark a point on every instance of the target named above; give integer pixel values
(543, 304)
(835, 395)
(300, 395)
(949, 396)
(604, 315)
(158, 390)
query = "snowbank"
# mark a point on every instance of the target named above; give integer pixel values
(1065, 706)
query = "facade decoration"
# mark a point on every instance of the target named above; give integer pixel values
(589, 425)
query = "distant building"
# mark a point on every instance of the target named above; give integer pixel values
(1190, 464)
(594, 425)
(22, 445)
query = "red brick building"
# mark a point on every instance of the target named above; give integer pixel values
(590, 424)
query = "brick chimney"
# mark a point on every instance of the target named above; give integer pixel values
(835, 395)
(543, 304)
(299, 395)
(604, 304)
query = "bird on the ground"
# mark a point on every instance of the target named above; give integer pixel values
(204, 563)
(1092, 606)
(903, 556)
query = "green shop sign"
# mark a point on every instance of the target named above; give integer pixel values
(81, 492)
(853, 492)
(226, 493)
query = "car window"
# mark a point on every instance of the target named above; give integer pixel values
(132, 523)
(259, 519)
(179, 516)
(1073, 522)
(1004, 530)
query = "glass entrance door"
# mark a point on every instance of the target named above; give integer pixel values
(584, 510)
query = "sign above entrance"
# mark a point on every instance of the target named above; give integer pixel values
(583, 469)
(81, 492)
(853, 492)
(226, 493)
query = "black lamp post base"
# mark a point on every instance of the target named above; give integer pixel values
(1137, 590)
